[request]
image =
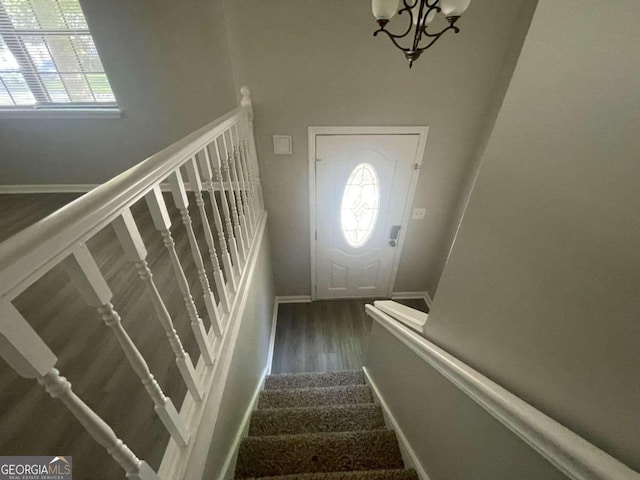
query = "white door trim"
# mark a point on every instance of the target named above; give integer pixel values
(335, 130)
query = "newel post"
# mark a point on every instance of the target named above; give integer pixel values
(245, 101)
(252, 160)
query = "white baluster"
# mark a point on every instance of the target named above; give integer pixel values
(162, 222)
(249, 179)
(226, 160)
(244, 180)
(87, 278)
(135, 251)
(196, 185)
(20, 345)
(233, 245)
(59, 387)
(242, 188)
(208, 174)
(181, 200)
(30, 357)
(244, 227)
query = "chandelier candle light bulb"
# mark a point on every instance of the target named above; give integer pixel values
(454, 8)
(384, 10)
(421, 14)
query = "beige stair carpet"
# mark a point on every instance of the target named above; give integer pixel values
(319, 426)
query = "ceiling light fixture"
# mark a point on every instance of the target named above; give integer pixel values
(421, 14)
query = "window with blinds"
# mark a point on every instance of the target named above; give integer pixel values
(48, 58)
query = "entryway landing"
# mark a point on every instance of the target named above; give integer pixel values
(324, 336)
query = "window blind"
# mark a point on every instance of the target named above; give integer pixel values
(48, 57)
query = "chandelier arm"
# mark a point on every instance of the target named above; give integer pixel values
(435, 37)
(392, 37)
(407, 8)
(423, 27)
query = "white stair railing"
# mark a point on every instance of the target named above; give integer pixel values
(135, 251)
(182, 202)
(218, 159)
(226, 160)
(227, 244)
(240, 163)
(196, 186)
(232, 228)
(249, 144)
(162, 222)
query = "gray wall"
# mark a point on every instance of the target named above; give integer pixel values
(454, 438)
(247, 364)
(169, 66)
(541, 291)
(315, 62)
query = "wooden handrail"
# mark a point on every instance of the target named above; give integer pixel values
(567, 451)
(29, 254)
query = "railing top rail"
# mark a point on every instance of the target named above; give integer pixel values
(570, 453)
(30, 253)
(412, 318)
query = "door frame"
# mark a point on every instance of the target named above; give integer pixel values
(422, 132)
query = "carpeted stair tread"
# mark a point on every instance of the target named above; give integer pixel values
(320, 452)
(305, 380)
(409, 474)
(306, 397)
(327, 418)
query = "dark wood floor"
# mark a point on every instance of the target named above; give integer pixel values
(324, 336)
(21, 210)
(31, 423)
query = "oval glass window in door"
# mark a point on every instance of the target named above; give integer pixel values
(360, 205)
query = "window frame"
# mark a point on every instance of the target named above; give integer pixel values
(46, 108)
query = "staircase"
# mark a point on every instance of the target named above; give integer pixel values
(319, 426)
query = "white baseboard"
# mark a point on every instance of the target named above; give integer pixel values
(294, 299)
(59, 188)
(227, 471)
(424, 295)
(407, 295)
(272, 337)
(408, 455)
(428, 300)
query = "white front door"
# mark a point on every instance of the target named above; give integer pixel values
(363, 185)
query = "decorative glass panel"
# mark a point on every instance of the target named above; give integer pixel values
(360, 205)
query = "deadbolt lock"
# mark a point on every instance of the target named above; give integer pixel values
(393, 236)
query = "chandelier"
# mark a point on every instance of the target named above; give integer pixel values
(421, 13)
